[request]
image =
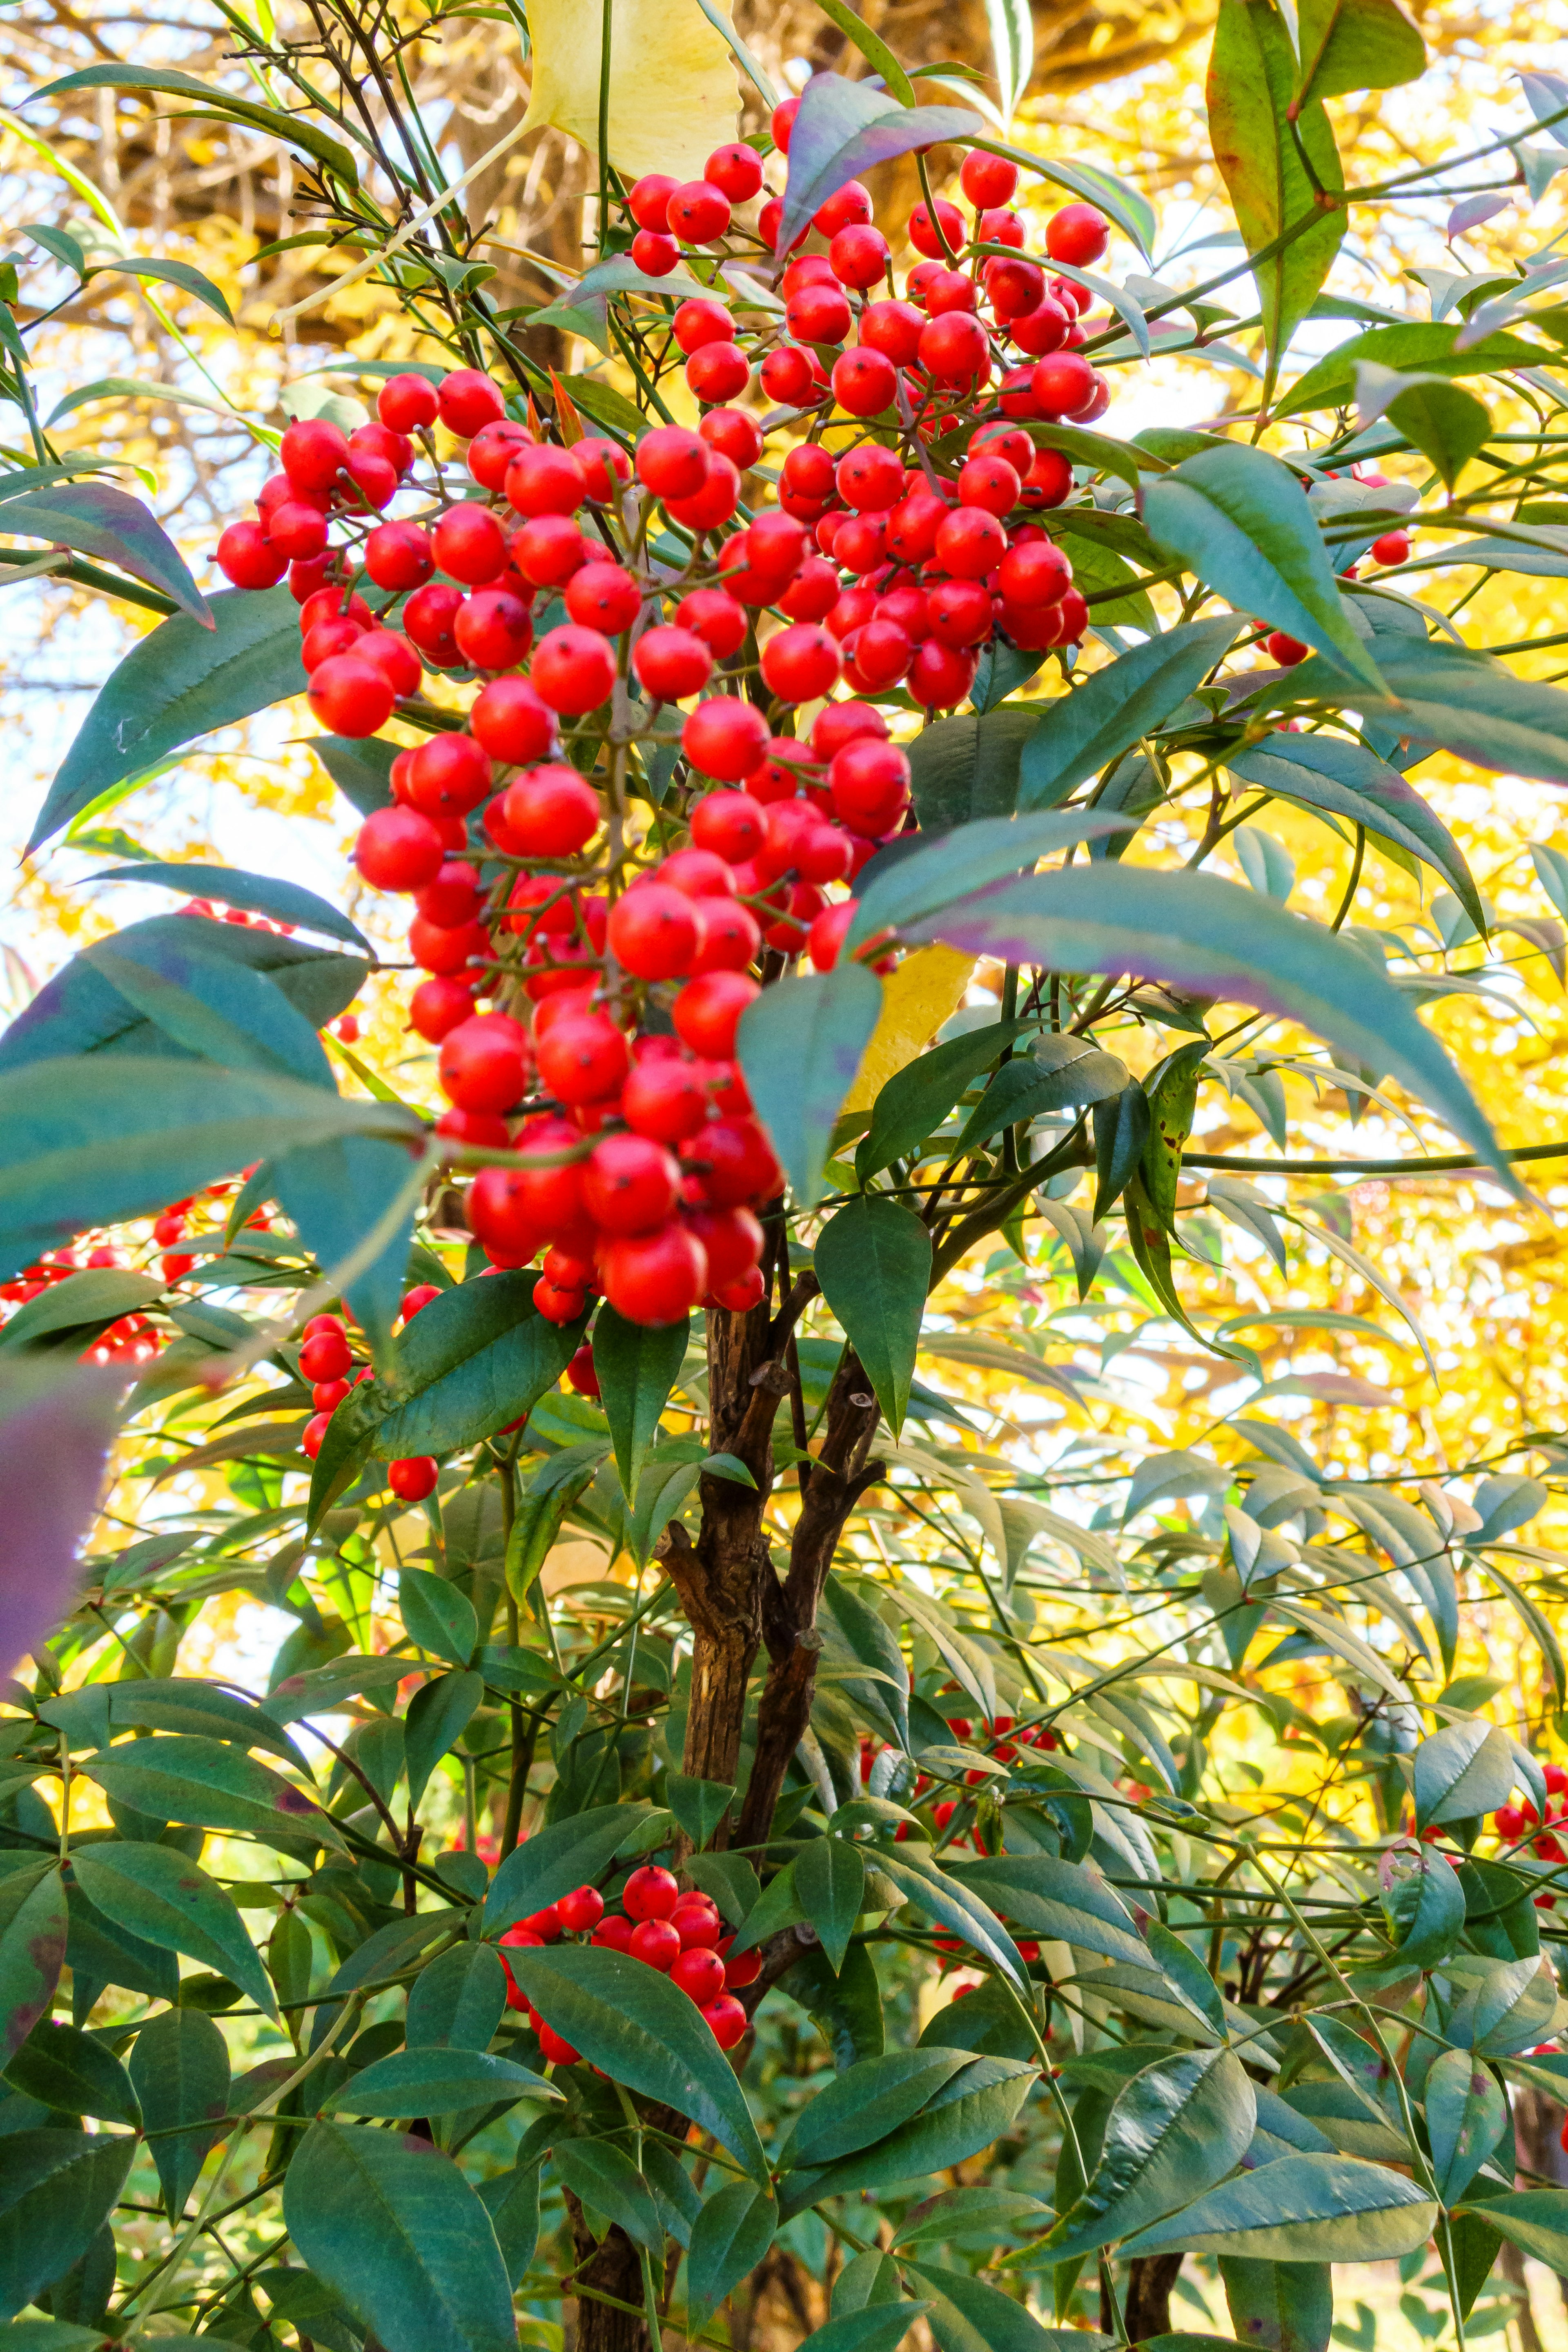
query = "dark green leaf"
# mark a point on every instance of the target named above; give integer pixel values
(1349, 45)
(1461, 1770)
(965, 769)
(180, 682)
(1446, 423)
(1240, 519)
(73, 2073)
(554, 1861)
(33, 1922)
(638, 1366)
(97, 519)
(846, 2009)
(830, 1888)
(729, 2239)
(1066, 1902)
(873, 1259)
(436, 2083)
(164, 1898)
(879, 2327)
(512, 2200)
(1331, 382)
(604, 2178)
(971, 2112)
(210, 1785)
(848, 128)
(360, 766)
(394, 2229)
(698, 1805)
(1466, 2112)
(984, 2215)
(968, 2315)
(917, 1099)
(1332, 2209)
(1215, 937)
(868, 2101)
(1424, 1904)
(180, 2068)
(639, 2027)
(800, 1044)
(1175, 2129)
(1280, 2307)
(260, 894)
(479, 1355)
(1120, 1139)
(953, 1905)
(437, 1616)
(211, 98)
(56, 2189)
(1084, 731)
(458, 2000)
(966, 859)
(100, 1296)
(436, 1719)
(100, 1950)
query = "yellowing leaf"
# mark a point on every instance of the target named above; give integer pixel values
(927, 987)
(673, 96)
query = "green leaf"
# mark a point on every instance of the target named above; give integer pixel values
(97, 519)
(1446, 423)
(1356, 44)
(1466, 2112)
(637, 1365)
(167, 1900)
(100, 1950)
(180, 682)
(1083, 732)
(1280, 2307)
(1326, 772)
(1218, 938)
(848, 128)
(1535, 2219)
(867, 2102)
(56, 2189)
(969, 2314)
(1065, 1902)
(293, 129)
(93, 1141)
(72, 2073)
(1330, 383)
(458, 2000)
(967, 2214)
(873, 1259)
(643, 2031)
(969, 2113)
(846, 2009)
(1251, 84)
(436, 1616)
(951, 1904)
(360, 766)
(1506, 2006)
(554, 1861)
(436, 1719)
(1465, 703)
(100, 1296)
(604, 2178)
(729, 2239)
(1461, 1770)
(261, 893)
(1240, 519)
(512, 2200)
(965, 769)
(1056, 1072)
(1424, 1904)
(917, 1099)
(966, 859)
(211, 1786)
(180, 2068)
(394, 2229)
(830, 1887)
(436, 2083)
(879, 2327)
(472, 1360)
(33, 1926)
(698, 1805)
(1177, 2128)
(800, 1045)
(1326, 2208)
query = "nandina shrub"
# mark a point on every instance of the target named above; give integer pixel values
(862, 1878)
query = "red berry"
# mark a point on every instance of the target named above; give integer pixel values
(449, 775)
(313, 452)
(671, 462)
(1035, 573)
(512, 722)
(826, 937)
(398, 849)
(581, 1910)
(724, 737)
(698, 1973)
(415, 1300)
(438, 1006)
(650, 1893)
(603, 596)
(653, 932)
(654, 255)
(730, 824)
(865, 382)
(818, 314)
(1063, 383)
(718, 371)
(1077, 235)
(297, 530)
(988, 180)
(630, 1184)
(655, 1279)
(736, 171)
(612, 1934)
(649, 200)
(413, 1478)
(1393, 547)
(248, 559)
(734, 1241)
(790, 376)
(800, 663)
(672, 663)
(715, 503)
(325, 1356)
(430, 615)
(583, 1058)
(544, 480)
(313, 1433)
(654, 1943)
(938, 676)
(469, 400)
(922, 230)
(716, 619)
(549, 550)
(988, 480)
(406, 403)
(741, 1967)
(663, 1100)
(953, 348)
(708, 1011)
(698, 211)
(483, 1064)
(556, 2048)
(492, 629)
(894, 330)
(733, 435)
(469, 544)
(603, 466)
(726, 2019)
(574, 670)
(551, 811)
(971, 542)
(582, 1378)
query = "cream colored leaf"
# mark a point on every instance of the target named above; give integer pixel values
(925, 990)
(673, 92)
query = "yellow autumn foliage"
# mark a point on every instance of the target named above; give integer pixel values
(672, 95)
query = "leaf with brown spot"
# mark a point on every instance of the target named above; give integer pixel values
(32, 1948)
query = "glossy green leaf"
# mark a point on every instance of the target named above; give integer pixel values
(847, 129)
(512, 2200)
(953, 1905)
(1466, 2112)
(1462, 1769)
(179, 2066)
(209, 1784)
(167, 1900)
(604, 2178)
(458, 2000)
(473, 1359)
(729, 2237)
(966, 859)
(262, 893)
(637, 1365)
(969, 2314)
(1251, 86)
(1331, 382)
(71, 2073)
(868, 2101)
(175, 684)
(1280, 2307)
(1506, 2006)
(1175, 2129)
(1445, 422)
(968, 2113)
(1461, 701)
(1349, 45)
(873, 1259)
(1535, 2219)
(965, 769)
(698, 1805)
(1066, 1902)
(100, 1949)
(436, 1719)
(846, 2009)
(212, 99)
(1082, 733)
(436, 1615)
(33, 1927)
(830, 1888)
(878, 2327)
(554, 1861)
(100, 1296)
(800, 1044)
(972, 2215)
(1217, 939)
(917, 1099)
(56, 2189)
(436, 2083)
(1424, 1904)
(394, 2229)
(1329, 2209)
(1240, 519)
(360, 766)
(644, 2030)
(95, 519)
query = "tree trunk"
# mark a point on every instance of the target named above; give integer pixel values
(615, 2269)
(1150, 2280)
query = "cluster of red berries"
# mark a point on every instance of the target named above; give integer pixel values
(1392, 548)
(682, 1935)
(328, 1363)
(1513, 1822)
(617, 975)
